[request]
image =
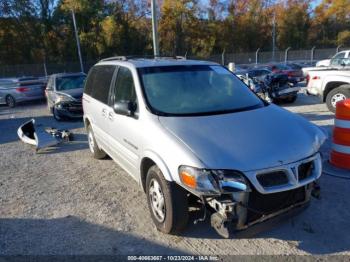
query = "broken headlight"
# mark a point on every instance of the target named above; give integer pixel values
(209, 181)
(64, 98)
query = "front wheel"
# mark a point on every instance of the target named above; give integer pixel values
(167, 202)
(94, 149)
(337, 94)
(56, 115)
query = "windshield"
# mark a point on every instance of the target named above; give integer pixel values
(195, 90)
(70, 82)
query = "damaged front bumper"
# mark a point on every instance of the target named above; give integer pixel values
(240, 211)
(268, 193)
(69, 109)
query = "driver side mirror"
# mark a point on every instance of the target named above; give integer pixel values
(125, 108)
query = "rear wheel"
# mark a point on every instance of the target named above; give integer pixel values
(291, 99)
(94, 149)
(167, 202)
(10, 101)
(337, 94)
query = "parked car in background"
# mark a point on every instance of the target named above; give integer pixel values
(64, 93)
(191, 131)
(330, 85)
(23, 89)
(294, 73)
(258, 73)
(338, 59)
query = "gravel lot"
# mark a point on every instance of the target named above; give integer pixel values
(65, 202)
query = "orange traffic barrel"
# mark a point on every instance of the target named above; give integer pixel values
(340, 155)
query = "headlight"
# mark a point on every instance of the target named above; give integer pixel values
(64, 98)
(208, 181)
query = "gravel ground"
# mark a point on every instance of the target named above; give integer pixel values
(65, 202)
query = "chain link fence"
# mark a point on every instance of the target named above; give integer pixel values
(258, 57)
(42, 69)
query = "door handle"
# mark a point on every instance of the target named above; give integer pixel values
(110, 116)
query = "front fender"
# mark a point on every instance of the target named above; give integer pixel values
(159, 162)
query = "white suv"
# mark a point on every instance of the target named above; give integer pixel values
(190, 132)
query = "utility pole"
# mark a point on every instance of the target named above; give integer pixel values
(78, 42)
(273, 36)
(154, 28)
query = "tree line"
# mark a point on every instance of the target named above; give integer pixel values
(34, 31)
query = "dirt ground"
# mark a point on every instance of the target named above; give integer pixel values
(65, 202)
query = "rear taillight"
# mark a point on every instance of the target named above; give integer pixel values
(307, 79)
(315, 78)
(22, 89)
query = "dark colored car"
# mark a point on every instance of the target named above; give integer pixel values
(64, 93)
(259, 73)
(294, 72)
(268, 85)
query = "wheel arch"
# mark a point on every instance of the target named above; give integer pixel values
(150, 158)
(332, 85)
(87, 122)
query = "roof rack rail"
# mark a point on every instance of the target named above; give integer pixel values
(125, 58)
(171, 57)
(122, 58)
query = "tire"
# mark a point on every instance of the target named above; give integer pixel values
(291, 100)
(94, 149)
(336, 95)
(49, 108)
(56, 115)
(175, 202)
(10, 101)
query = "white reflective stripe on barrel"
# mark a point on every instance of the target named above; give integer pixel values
(341, 148)
(342, 123)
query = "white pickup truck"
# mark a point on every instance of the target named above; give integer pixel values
(339, 60)
(335, 60)
(331, 85)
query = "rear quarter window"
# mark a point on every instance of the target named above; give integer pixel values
(99, 81)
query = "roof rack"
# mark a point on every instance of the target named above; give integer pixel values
(122, 58)
(126, 58)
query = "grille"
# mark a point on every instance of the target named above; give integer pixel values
(305, 170)
(264, 204)
(275, 178)
(74, 107)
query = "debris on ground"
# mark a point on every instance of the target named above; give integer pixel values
(42, 137)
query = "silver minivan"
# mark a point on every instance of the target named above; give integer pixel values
(190, 132)
(23, 89)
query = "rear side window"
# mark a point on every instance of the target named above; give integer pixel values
(99, 81)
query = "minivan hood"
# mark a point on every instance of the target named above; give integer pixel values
(249, 140)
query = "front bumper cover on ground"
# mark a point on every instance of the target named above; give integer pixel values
(41, 137)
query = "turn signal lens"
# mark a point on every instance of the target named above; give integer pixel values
(188, 179)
